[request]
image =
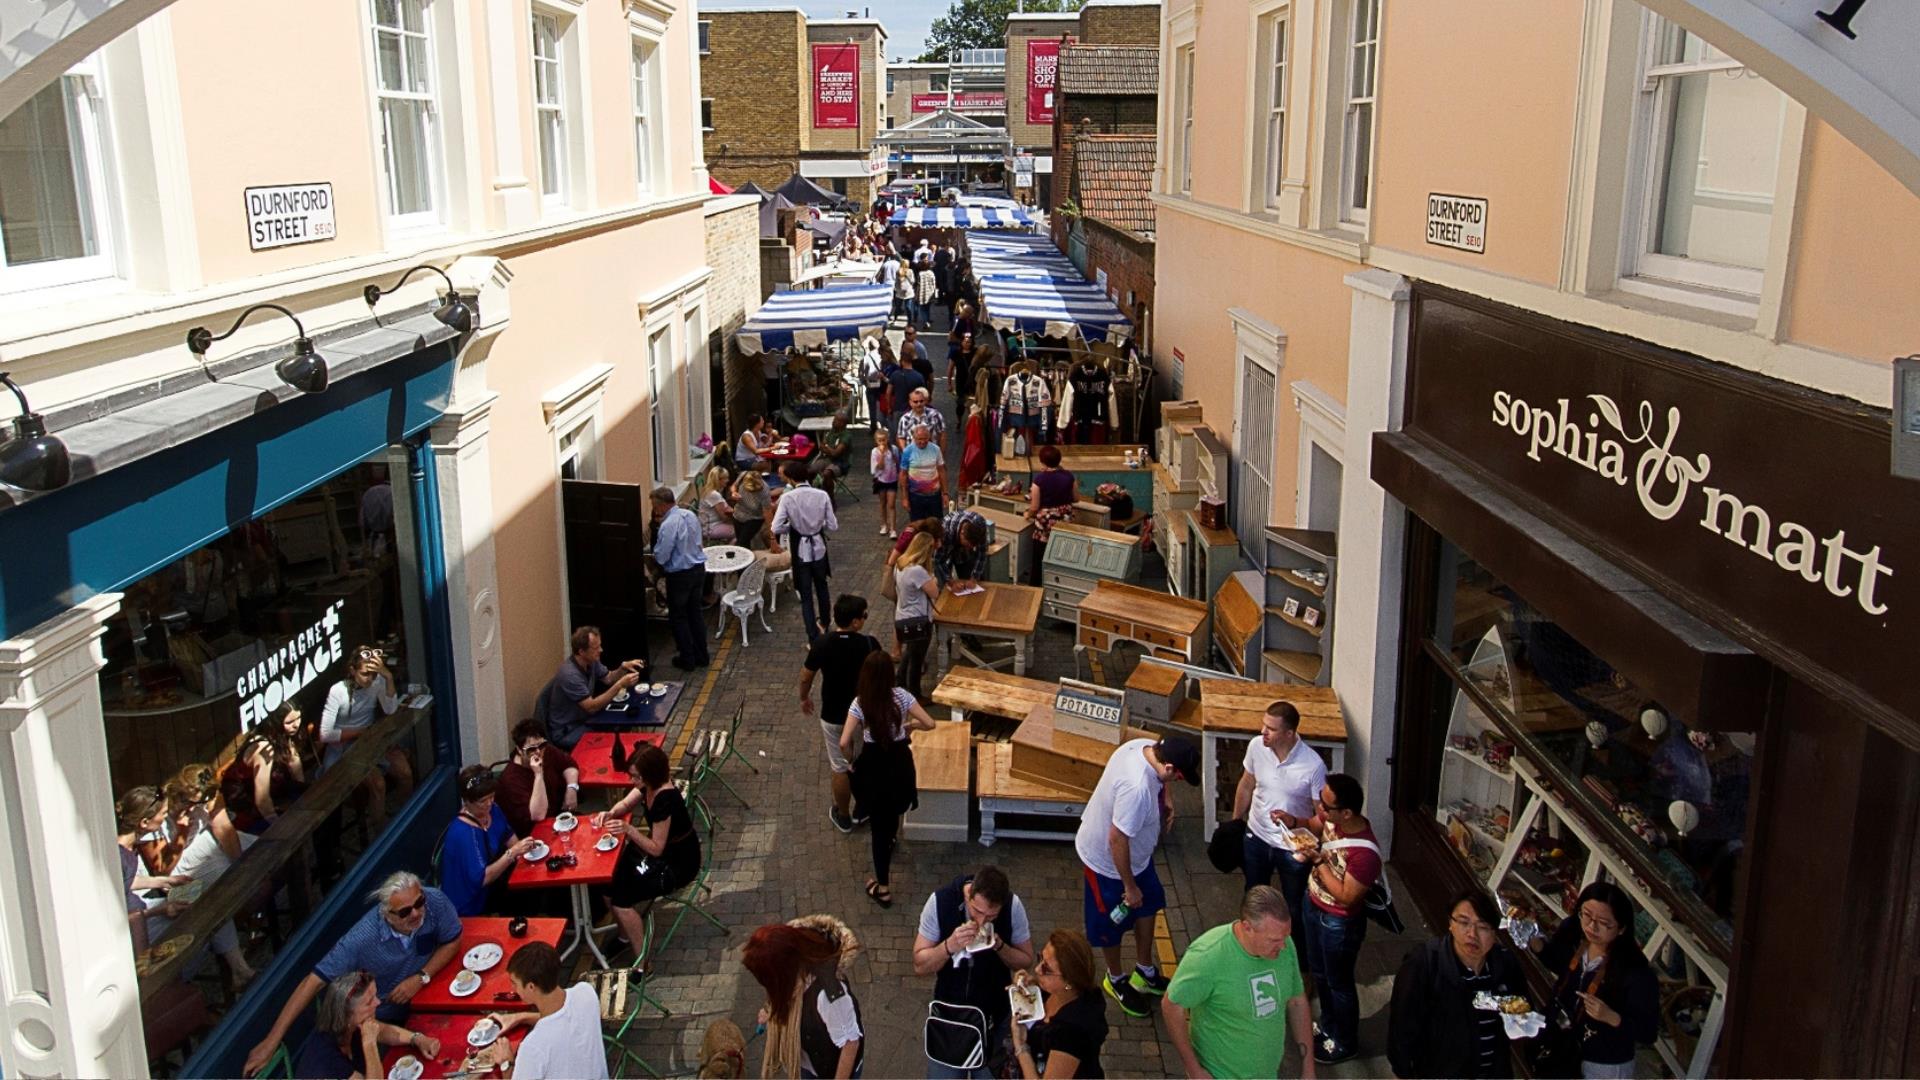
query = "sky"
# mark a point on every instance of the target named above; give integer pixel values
(907, 21)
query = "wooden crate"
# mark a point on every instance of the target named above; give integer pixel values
(1153, 691)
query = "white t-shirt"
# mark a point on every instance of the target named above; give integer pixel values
(930, 920)
(566, 1045)
(1291, 785)
(913, 602)
(1128, 796)
(204, 860)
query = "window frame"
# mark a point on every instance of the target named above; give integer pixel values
(90, 137)
(1356, 199)
(662, 404)
(706, 114)
(433, 124)
(703, 37)
(648, 144)
(555, 109)
(697, 399)
(1273, 96)
(1183, 64)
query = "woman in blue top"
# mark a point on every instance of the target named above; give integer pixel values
(480, 847)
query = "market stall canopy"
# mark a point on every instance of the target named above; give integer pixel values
(751, 188)
(962, 217)
(831, 228)
(770, 207)
(811, 318)
(1022, 255)
(804, 192)
(1053, 307)
(717, 187)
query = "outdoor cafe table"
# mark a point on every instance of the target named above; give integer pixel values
(594, 868)
(641, 709)
(451, 1029)
(437, 996)
(594, 755)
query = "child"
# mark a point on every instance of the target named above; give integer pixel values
(884, 463)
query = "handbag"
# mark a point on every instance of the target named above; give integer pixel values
(1378, 903)
(918, 628)
(956, 1036)
(1227, 850)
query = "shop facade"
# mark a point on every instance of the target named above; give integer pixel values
(1642, 618)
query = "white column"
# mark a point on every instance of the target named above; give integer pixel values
(68, 995)
(508, 30)
(1366, 669)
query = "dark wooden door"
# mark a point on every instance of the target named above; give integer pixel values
(606, 535)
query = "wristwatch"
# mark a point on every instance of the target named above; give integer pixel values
(425, 977)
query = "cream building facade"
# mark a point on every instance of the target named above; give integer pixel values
(223, 154)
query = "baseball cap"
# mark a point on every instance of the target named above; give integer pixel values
(1182, 753)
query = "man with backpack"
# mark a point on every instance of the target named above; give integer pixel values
(1346, 866)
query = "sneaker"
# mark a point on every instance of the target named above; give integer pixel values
(1155, 984)
(840, 820)
(1132, 1002)
(892, 535)
(1328, 1052)
(860, 819)
(883, 530)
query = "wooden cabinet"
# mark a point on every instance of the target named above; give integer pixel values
(1212, 557)
(1017, 533)
(1077, 557)
(1162, 625)
(1299, 607)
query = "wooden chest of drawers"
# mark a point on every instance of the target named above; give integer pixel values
(1166, 626)
(1078, 557)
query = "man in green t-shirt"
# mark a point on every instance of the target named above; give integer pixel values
(1237, 991)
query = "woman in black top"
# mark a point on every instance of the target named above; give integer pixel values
(1433, 1029)
(812, 1016)
(1066, 1041)
(1606, 997)
(874, 738)
(659, 859)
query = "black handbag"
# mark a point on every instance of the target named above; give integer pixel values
(1227, 850)
(918, 628)
(956, 1036)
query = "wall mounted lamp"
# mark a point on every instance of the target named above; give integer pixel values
(32, 460)
(453, 313)
(305, 370)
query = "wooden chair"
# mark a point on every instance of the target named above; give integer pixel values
(623, 997)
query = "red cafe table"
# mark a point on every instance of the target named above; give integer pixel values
(594, 755)
(451, 1029)
(593, 867)
(495, 991)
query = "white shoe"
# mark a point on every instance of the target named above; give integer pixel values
(883, 530)
(892, 535)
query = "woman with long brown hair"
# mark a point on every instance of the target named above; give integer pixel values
(875, 739)
(1065, 1042)
(812, 1016)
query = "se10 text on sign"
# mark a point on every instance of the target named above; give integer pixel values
(1458, 222)
(288, 214)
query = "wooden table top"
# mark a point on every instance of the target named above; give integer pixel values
(1234, 706)
(1003, 521)
(1009, 609)
(451, 1029)
(593, 866)
(1151, 678)
(1131, 603)
(1087, 458)
(993, 765)
(1037, 731)
(940, 756)
(594, 754)
(998, 693)
(474, 930)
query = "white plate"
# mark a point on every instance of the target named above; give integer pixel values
(465, 984)
(407, 1068)
(607, 842)
(484, 1034)
(1026, 1003)
(538, 851)
(482, 957)
(566, 823)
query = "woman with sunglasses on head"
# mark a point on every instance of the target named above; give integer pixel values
(480, 847)
(350, 711)
(1065, 1042)
(1433, 1029)
(1606, 996)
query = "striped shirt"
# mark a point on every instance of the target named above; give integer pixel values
(929, 418)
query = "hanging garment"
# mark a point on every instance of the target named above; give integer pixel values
(973, 459)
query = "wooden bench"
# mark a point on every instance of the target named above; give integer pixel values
(967, 689)
(1001, 792)
(942, 759)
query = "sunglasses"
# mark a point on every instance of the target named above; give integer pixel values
(411, 909)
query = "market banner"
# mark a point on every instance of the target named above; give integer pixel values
(987, 101)
(836, 86)
(1043, 70)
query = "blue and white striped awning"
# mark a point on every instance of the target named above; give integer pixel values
(1010, 244)
(1054, 307)
(812, 317)
(962, 217)
(1017, 255)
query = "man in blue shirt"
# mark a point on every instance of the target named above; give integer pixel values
(677, 550)
(411, 933)
(583, 686)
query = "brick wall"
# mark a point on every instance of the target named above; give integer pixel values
(906, 83)
(1106, 115)
(1018, 34)
(733, 250)
(1129, 266)
(1133, 24)
(754, 75)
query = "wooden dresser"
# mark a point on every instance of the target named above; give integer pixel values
(1078, 558)
(1017, 533)
(1166, 626)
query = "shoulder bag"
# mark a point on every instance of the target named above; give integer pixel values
(1379, 899)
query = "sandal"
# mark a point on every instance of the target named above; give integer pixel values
(879, 894)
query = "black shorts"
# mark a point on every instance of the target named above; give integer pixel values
(881, 487)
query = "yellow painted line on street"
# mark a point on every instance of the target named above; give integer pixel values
(1163, 945)
(700, 701)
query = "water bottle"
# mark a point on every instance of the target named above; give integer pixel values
(1119, 913)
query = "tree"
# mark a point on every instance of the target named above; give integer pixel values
(979, 24)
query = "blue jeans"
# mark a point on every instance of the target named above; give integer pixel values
(1333, 944)
(1260, 862)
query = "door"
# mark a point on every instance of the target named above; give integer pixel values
(1253, 486)
(606, 536)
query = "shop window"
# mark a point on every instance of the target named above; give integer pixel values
(55, 189)
(229, 665)
(405, 84)
(1708, 146)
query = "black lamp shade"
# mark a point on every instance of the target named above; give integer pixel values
(34, 460)
(305, 370)
(455, 314)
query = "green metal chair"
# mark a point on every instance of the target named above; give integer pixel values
(687, 899)
(720, 746)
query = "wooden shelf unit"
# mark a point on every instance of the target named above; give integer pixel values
(1294, 651)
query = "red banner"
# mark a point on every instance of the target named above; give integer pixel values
(836, 86)
(1043, 70)
(979, 101)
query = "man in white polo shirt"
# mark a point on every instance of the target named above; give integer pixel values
(1276, 794)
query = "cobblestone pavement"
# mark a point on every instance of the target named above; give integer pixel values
(778, 857)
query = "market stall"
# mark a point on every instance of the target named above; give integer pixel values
(1053, 307)
(962, 217)
(819, 330)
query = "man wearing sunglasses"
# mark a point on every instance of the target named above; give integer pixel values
(540, 781)
(411, 933)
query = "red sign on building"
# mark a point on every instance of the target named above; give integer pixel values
(984, 101)
(836, 86)
(1043, 71)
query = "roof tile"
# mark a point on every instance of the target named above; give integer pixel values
(1113, 176)
(1110, 69)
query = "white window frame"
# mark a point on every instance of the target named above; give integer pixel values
(648, 116)
(1183, 64)
(1272, 78)
(1717, 286)
(574, 105)
(434, 117)
(551, 108)
(576, 420)
(699, 381)
(662, 405)
(1323, 425)
(704, 38)
(1359, 94)
(85, 94)
(1261, 344)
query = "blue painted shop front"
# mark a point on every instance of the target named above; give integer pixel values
(114, 531)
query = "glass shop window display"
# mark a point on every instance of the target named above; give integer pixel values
(264, 686)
